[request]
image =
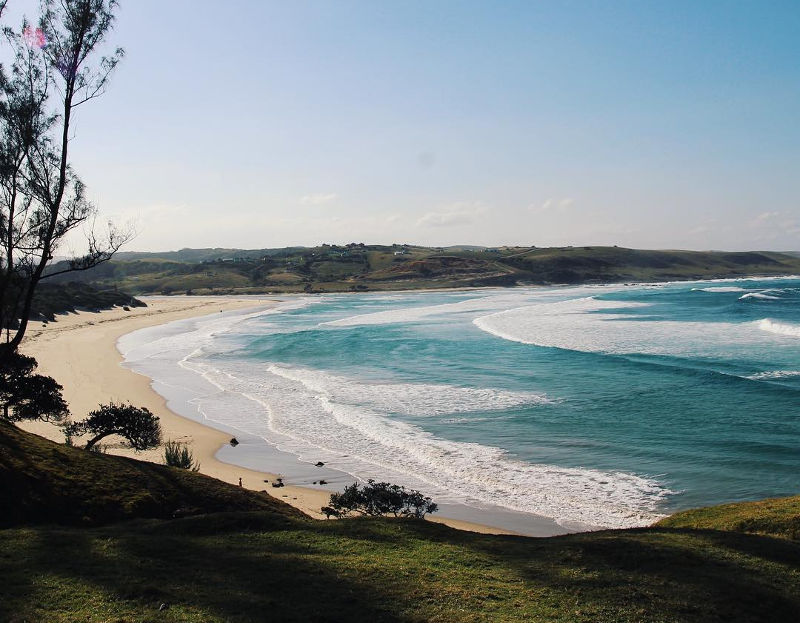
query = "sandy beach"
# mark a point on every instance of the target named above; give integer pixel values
(79, 351)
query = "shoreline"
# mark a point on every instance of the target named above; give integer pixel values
(80, 352)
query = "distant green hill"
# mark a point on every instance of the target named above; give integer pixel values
(260, 560)
(359, 267)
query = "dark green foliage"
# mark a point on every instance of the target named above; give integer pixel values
(52, 299)
(380, 498)
(28, 396)
(177, 454)
(137, 425)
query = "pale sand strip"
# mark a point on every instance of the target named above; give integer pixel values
(79, 351)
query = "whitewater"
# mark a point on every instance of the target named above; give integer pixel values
(593, 407)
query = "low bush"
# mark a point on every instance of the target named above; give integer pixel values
(379, 498)
(177, 454)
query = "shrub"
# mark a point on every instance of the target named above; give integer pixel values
(177, 454)
(380, 498)
(138, 426)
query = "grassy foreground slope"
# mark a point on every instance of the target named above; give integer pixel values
(274, 564)
(44, 482)
(360, 267)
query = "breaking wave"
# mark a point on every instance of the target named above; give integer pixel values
(779, 328)
(774, 375)
(316, 415)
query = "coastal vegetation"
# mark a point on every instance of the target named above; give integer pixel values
(140, 429)
(360, 267)
(53, 299)
(177, 454)
(378, 499)
(102, 538)
(25, 395)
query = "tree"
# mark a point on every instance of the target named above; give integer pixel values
(137, 425)
(28, 396)
(177, 454)
(380, 498)
(41, 198)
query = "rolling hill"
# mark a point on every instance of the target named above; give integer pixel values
(359, 267)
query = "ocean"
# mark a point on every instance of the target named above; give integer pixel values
(592, 406)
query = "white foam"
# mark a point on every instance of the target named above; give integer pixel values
(759, 295)
(774, 375)
(589, 325)
(482, 304)
(343, 422)
(779, 328)
(192, 333)
(415, 399)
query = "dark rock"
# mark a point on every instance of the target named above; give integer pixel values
(234, 442)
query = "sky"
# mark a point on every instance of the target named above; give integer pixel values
(264, 123)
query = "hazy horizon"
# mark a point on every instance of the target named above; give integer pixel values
(130, 249)
(266, 124)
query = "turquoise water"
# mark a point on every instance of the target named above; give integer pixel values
(605, 406)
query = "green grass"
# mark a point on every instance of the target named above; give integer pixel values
(775, 516)
(275, 564)
(41, 481)
(250, 567)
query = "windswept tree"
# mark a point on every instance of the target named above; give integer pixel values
(42, 200)
(137, 425)
(28, 396)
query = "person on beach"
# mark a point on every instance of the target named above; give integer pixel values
(240, 481)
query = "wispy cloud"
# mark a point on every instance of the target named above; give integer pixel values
(552, 205)
(461, 213)
(704, 229)
(318, 199)
(765, 218)
(774, 225)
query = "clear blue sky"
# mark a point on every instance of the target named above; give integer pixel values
(264, 123)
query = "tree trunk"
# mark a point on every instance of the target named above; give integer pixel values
(94, 440)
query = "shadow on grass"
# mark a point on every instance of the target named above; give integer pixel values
(703, 575)
(260, 566)
(236, 579)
